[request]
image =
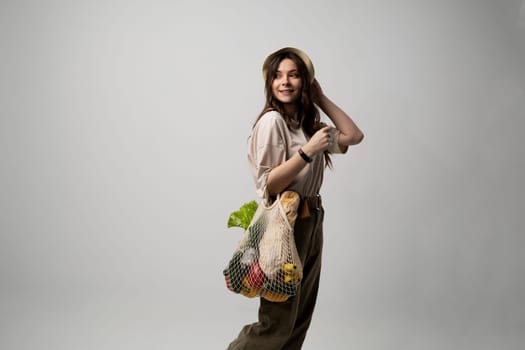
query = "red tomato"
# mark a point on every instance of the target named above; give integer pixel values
(256, 276)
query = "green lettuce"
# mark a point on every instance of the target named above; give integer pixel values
(243, 216)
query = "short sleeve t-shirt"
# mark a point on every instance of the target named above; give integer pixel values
(271, 143)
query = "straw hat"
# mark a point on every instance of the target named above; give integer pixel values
(308, 63)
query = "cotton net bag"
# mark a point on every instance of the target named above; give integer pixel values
(266, 262)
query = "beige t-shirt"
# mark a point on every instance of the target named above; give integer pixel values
(271, 143)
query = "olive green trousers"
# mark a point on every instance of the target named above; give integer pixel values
(283, 326)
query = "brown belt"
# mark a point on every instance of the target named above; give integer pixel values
(308, 204)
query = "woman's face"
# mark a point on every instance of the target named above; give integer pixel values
(287, 83)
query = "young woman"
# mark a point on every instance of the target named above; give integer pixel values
(288, 149)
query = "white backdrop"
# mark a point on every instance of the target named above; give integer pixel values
(123, 129)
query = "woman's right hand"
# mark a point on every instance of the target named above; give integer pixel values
(319, 142)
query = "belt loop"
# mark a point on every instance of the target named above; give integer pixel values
(317, 201)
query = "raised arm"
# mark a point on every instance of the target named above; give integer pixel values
(350, 134)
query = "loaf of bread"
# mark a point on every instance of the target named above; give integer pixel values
(290, 201)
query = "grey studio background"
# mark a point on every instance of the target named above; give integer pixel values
(123, 130)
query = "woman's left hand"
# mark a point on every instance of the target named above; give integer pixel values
(317, 92)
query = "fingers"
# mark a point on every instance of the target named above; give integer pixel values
(329, 138)
(322, 139)
(318, 91)
(325, 137)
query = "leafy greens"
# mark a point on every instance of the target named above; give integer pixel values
(243, 216)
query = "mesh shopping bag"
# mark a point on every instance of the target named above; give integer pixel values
(266, 262)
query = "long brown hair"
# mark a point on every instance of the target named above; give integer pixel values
(307, 113)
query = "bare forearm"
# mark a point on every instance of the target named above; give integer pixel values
(350, 132)
(283, 175)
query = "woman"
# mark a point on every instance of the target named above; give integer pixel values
(289, 149)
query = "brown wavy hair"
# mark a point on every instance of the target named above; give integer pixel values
(307, 113)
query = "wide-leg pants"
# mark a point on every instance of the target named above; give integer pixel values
(283, 326)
